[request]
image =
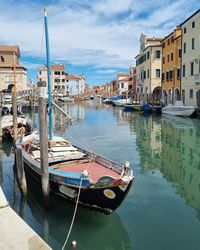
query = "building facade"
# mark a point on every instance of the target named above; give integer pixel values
(171, 64)
(190, 81)
(57, 77)
(132, 83)
(148, 69)
(122, 85)
(74, 85)
(9, 56)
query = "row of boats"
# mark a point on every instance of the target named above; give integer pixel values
(178, 109)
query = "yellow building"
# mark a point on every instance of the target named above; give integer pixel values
(171, 64)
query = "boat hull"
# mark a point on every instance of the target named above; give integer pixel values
(106, 199)
(178, 111)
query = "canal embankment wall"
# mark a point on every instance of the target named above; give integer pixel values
(15, 234)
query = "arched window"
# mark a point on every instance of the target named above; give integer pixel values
(2, 59)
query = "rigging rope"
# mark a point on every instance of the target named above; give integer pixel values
(73, 218)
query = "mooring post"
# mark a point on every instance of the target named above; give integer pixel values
(21, 179)
(43, 128)
(14, 105)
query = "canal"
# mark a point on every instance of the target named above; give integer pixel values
(161, 211)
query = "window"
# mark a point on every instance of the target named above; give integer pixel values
(167, 76)
(40, 72)
(179, 53)
(144, 74)
(193, 24)
(192, 43)
(184, 48)
(178, 74)
(168, 58)
(184, 30)
(57, 80)
(148, 55)
(172, 39)
(157, 53)
(63, 80)
(171, 74)
(183, 70)
(191, 93)
(157, 72)
(122, 85)
(172, 56)
(2, 60)
(168, 42)
(163, 60)
(57, 73)
(163, 77)
(192, 68)
(148, 73)
(199, 66)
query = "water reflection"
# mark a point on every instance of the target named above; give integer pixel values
(54, 223)
(172, 145)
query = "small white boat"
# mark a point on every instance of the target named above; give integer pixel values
(24, 126)
(65, 98)
(122, 102)
(178, 109)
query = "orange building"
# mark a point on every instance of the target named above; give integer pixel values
(171, 65)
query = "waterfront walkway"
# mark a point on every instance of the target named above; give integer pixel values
(15, 234)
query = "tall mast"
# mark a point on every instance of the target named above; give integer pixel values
(48, 76)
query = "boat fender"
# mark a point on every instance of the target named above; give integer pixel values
(73, 244)
(85, 173)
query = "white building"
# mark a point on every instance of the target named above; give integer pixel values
(190, 78)
(9, 56)
(148, 69)
(74, 84)
(122, 85)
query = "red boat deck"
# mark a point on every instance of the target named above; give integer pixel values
(95, 169)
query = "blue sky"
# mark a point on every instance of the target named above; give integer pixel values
(99, 38)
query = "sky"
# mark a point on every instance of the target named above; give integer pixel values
(99, 38)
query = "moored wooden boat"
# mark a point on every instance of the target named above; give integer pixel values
(103, 184)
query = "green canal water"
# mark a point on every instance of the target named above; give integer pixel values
(161, 211)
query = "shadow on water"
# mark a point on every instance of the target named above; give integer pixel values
(91, 230)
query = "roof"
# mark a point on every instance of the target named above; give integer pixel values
(124, 79)
(11, 66)
(57, 67)
(154, 39)
(122, 74)
(190, 17)
(72, 77)
(10, 48)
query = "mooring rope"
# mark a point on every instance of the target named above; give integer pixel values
(73, 218)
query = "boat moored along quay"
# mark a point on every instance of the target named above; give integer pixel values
(75, 173)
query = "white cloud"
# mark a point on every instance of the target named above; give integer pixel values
(103, 33)
(106, 71)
